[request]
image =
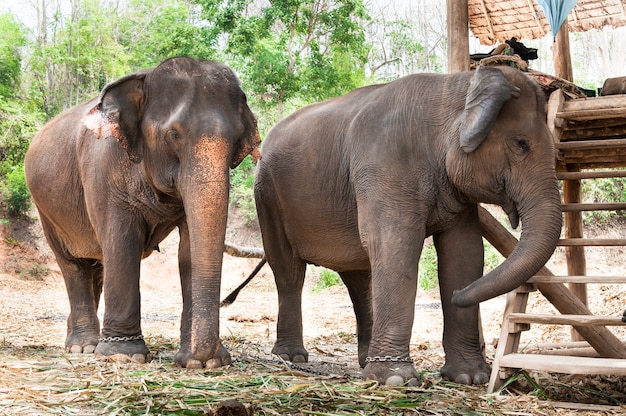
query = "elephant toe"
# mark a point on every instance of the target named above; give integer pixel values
(392, 374)
(463, 379)
(81, 343)
(295, 354)
(481, 378)
(299, 359)
(466, 374)
(89, 349)
(123, 351)
(81, 349)
(193, 364)
(185, 359)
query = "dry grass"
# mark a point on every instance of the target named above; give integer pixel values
(37, 380)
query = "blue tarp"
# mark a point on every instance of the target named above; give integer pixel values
(556, 12)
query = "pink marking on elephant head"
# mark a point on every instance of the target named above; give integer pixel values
(105, 126)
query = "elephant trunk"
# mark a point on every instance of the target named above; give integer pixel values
(541, 228)
(205, 190)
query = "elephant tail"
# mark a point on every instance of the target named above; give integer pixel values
(233, 295)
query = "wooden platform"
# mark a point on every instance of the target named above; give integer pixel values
(588, 132)
(590, 142)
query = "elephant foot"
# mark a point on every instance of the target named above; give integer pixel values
(392, 373)
(295, 354)
(467, 372)
(184, 358)
(81, 343)
(123, 349)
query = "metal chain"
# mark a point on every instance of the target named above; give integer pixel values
(388, 358)
(287, 364)
(121, 339)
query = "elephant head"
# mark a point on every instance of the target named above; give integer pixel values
(186, 122)
(505, 159)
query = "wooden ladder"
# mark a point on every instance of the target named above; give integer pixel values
(589, 135)
(569, 358)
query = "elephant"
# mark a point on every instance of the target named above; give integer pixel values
(356, 183)
(113, 176)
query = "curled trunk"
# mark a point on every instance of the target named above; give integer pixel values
(541, 229)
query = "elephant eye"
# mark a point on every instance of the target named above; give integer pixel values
(519, 144)
(172, 135)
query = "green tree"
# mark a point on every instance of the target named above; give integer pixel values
(153, 30)
(12, 38)
(286, 49)
(78, 57)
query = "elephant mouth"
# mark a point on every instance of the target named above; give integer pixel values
(511, 211)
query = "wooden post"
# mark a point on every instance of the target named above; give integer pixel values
(573, 222)
(573, 228)
(561, 53)
(458, 36)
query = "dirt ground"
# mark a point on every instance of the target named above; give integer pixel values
(34, 308)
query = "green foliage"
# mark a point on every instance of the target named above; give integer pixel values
(427, 269)
(427, 277)
(18, 125)
(287, 49)
(15, 192)
(12, 38)
(242, 190)
(35, 271)
(327, 278)
(603, 190)
(82, 56)
(170, 28)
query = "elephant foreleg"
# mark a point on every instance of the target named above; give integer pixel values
(460, 262)
(83, 327)
(121, 326)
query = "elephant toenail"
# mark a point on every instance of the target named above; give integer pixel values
(138, 358)
(194, 365)
(395, 380)
(463, 379)
(414, 382)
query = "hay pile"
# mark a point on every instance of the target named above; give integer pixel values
(41, 379)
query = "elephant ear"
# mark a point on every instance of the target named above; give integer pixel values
(487, 93)
(250, 140)
(118, 113)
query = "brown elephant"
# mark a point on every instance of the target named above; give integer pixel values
(356, 184)
(114, 176)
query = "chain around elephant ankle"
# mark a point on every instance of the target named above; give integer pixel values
(121, 339)
(388, 358)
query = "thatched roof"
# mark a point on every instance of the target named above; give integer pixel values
(493, 21)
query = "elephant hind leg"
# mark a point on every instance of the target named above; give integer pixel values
(83, 281)
(289, 272)
(359, 284)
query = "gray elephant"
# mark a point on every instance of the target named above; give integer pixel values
(115, 175)
(356, 184)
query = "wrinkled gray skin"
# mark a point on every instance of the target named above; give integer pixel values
(114, 176)
(357, 183)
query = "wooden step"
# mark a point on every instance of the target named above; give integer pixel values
(574, 320)
(565, 364)
(598, 206)
(596, 242)
(591, 144)
(591, 174)
(578, 279)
